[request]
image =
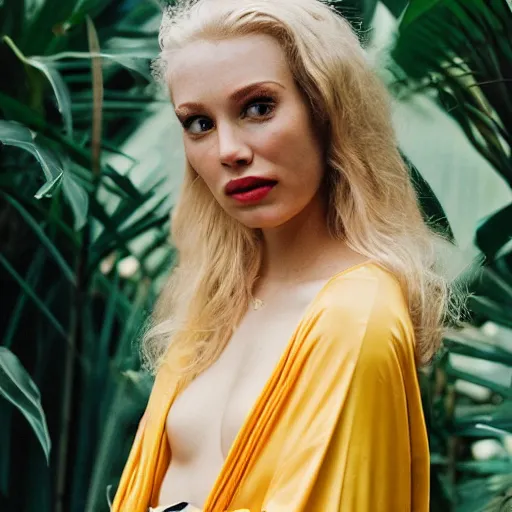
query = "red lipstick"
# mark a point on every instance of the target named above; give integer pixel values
(249, 189)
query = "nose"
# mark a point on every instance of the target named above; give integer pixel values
(233, 150)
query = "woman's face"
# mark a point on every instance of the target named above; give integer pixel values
(244, 116)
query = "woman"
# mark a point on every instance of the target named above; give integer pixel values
(287, 339)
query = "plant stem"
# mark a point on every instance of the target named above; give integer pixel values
(80, 292)
(69, 375)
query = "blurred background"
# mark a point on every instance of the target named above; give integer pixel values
(90, 164)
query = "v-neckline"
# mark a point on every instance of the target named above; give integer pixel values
(226, 473)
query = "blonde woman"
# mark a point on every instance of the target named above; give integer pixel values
(287, 340)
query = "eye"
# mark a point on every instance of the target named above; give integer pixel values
(260, 107)
(197, 125)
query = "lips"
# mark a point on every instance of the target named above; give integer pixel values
(246, 184)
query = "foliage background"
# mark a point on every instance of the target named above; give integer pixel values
(84, 242)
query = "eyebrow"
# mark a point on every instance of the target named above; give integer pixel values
(236, 97)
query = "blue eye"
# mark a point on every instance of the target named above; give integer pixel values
(261, 106)
(203, 124)
(261, 109)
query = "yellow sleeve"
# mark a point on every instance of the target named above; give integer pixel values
(356, 438)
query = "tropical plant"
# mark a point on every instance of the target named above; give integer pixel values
(77, 84)
(460, 52)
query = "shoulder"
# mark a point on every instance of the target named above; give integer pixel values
(364, 311)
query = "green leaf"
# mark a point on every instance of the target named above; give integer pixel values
(19, 389)
(133, 324)
(416, 9)
(496, 282)
(494, 232)
(108, 321)
(487, 415)
(123, 182)
(432, 210)
(33, 295)
(125, 409)
(59, 86)
(12, 14)
(459, 344)
(453, 374)
(461, 50)
(486, 466)
(120, 238)
(138, 65)
(47, 189)
(32, 278)
(77, 198)
(43, 238)
(15, 134)
(490, 310)
(132, 61)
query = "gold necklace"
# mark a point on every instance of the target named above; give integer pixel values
(257, 303)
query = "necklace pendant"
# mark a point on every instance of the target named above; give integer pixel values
(257, 303)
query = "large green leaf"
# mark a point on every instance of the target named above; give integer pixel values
(491, 310)
(134, 61)
(462, 50)
(432, 210)
(19, 389)
(59, 86)
(416, 9)
(494, 232)
(60, 89)
(15, 134)
(54, 169)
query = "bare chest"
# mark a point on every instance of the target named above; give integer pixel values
(206, 418)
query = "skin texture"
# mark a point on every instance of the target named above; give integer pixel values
(232, 131)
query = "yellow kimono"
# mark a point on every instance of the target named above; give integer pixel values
(338, 426)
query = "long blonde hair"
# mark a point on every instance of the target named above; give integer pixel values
(372, 204)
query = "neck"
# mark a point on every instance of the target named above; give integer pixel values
(291, 250)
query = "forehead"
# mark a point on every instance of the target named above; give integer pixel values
(205, 69)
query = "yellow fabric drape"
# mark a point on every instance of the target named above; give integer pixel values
(338, 427)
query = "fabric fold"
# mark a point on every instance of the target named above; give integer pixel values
(338, 426)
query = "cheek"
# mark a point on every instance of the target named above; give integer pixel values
(292, 145)
(200, 158)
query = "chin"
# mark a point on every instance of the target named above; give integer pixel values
(255, 221)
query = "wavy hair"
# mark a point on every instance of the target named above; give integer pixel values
(372, 204)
